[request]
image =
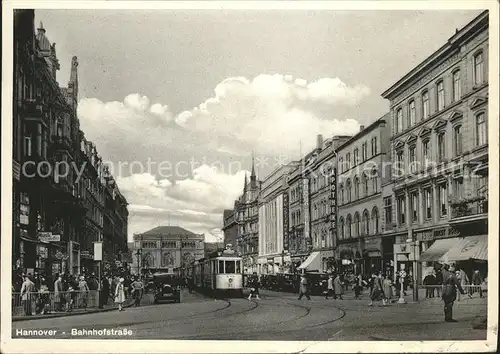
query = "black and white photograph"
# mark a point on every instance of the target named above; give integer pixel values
(250, 177)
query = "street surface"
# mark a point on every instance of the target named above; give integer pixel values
(276, 316)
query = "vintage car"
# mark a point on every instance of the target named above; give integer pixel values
(166, 287)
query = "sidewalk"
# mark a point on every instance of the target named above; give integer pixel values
(75, 312)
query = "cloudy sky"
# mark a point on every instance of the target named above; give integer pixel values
(177, 100)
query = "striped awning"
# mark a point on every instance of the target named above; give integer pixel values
(471, 247)
(438, 249)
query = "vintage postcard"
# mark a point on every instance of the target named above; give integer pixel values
(239, 177)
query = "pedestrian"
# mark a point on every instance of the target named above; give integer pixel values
(439, 281)
(255, 285)
(387, 287)
(338, 287)
(120, 294)
(83, 288)
(330, 291)
(137, 291)
(429, 284)
(377, 292)
(105, 290)
(450, 285)
(59, 300)
(358, 286)
(28, 291)
(304, 289)
(477, 281)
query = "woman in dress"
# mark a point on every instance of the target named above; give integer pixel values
(120, 294)
(387, 285)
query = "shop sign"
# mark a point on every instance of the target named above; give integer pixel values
(48, 237)
(306, 213)
(373, 243)
(16, 170)
(43, 252)
(59, 255)
(400, 248)
(24, 213)
(401, 238)
(285, 222)
(424, 235)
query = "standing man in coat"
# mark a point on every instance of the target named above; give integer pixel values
(28, 290)
(450, 285)
(329, 290)
(304, 287)
(339, 287)
(477, 280)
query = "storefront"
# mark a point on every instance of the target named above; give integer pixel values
(87, 262)
(350, 259)
(372, 255)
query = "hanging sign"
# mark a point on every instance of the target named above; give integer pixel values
(97, 251)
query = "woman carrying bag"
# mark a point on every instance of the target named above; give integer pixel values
(120, 294)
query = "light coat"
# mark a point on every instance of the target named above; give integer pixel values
(28, 289)
(303, 285)
(337, 284)
(330, 283)
(120, 293)
(58, 290)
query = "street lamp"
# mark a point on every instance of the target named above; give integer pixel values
(138, 254)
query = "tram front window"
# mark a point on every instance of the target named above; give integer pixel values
(221, 267)
(230, 267)
(238, 267)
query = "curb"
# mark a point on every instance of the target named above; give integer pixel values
(66, 314)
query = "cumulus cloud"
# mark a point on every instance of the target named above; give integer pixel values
(195, 203)
(273, 112)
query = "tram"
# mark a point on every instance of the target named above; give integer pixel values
(219, 275)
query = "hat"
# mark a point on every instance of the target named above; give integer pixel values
(122, 280)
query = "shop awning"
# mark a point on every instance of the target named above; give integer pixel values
(313, 262)
(438, 249)
(471, 247)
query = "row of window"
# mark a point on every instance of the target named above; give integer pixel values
(320, 209)
(355, 226)
(427, 202)
(322, 238)
(481, 138)
(169, 244)
(296, 217)
(295, 193)
(347, 164)
(359, 188)
(411, 115)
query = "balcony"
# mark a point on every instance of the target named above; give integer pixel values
(469, 209)
(61, 143)
(33, 110)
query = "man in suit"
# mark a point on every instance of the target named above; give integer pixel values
(450, 285)
(477, 280)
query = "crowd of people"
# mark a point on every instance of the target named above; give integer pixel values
(65, 292)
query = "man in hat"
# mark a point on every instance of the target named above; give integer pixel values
(450, 285)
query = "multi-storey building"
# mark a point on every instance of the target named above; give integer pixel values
(439, 142)
(273, 222)
(246, 207)
(230, 228)
(115, 224)
(92, 186)
(50, 210)
(50, 198)
(362, 164)
(166, 248)
(320, 170)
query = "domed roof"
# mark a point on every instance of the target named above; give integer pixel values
(43, 41)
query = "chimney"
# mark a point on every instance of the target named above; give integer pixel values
(361, 128)
(319, 142)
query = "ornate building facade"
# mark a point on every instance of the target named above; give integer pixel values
(166, 248)
(439, 143)
(246, 209)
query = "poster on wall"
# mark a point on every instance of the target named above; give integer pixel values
(286, 236)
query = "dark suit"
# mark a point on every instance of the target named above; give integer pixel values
(450, 285)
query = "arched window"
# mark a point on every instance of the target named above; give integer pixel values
(348, 190)
(356, 225)
(425, 105)
(348, 226)
(374, 177)
(341, 229)
(341, 193)
(375, 220)
(356, 187)
(457, 86)
(365, 185)
(411, 113)
(366, 223)
(440, 95)
(399, 120)
(478, 68)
